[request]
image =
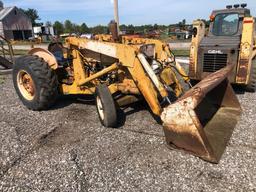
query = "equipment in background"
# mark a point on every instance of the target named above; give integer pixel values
(231, 41)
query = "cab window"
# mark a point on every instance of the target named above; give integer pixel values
(226, 24)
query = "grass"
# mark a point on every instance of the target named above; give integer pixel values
(26, 43)
(181, 53)
(20, 52)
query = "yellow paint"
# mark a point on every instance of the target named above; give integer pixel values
(200, 27)
(170, 79)
(246, 50)
(133, 77)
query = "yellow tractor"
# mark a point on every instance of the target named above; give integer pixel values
(119, 71)
(231, 41)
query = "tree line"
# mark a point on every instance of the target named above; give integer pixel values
(70, 27)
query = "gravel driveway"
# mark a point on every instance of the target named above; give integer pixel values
(67, 149)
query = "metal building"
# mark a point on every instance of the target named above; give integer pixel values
(14, 23)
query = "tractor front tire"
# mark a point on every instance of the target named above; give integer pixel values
(106, 107)
(251, 87)
(35, 82)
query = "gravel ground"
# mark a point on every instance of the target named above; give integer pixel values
(67, 149)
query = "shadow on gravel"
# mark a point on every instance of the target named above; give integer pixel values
(129, 110)
(239, 89)
(66, 100)
(60, 135)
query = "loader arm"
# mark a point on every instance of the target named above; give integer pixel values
(129, 57)
(163, 52)
(164, 55)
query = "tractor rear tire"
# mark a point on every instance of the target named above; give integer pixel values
(35, 83)
(251, 87)
(106, 107)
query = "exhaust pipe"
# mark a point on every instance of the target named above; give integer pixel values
(116, 13)
(202, 121)
(113, 29)
(114, 24)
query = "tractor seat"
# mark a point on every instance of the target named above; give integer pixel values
(57, 50)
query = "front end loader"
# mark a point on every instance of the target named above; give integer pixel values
(122, 71)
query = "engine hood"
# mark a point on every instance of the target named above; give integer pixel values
(221, 41)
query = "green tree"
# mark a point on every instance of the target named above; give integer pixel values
(130, 28)
(76, 28)
(184, 22)
(58, 27)
(99, 29)
(48, 24)
(122, 27)
(155, 27)
(84, 28)
(68, 26)
(33, 15)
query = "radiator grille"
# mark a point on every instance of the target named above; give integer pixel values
(214, 62)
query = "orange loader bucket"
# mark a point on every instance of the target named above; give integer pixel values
(202, 121)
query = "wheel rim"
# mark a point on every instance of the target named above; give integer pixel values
(100, 107)
(26, 85)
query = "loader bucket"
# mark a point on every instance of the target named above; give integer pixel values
(202, 120)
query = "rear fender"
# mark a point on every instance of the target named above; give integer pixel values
(48, 57)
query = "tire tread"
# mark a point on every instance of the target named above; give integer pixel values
(46, 80)
(109, 106)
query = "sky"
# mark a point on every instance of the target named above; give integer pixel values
(136, 12)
